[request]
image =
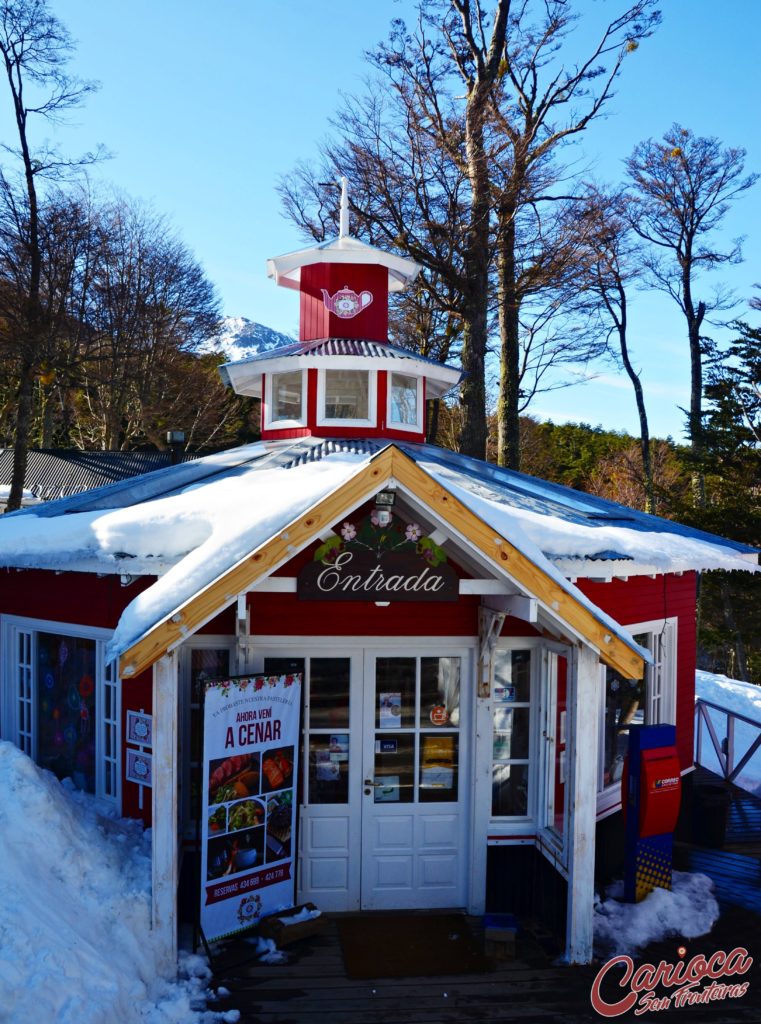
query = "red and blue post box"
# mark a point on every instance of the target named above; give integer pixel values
(651, 792)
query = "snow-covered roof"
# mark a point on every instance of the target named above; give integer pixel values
(286, 270)
(245, 375)
(190, 524)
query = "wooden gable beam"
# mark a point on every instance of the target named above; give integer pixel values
(501, 552)
(390, 463)
(224, 590)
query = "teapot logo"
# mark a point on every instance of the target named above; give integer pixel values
(346, 303)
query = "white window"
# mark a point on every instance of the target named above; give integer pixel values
(405, 402)
(61, 701)
(347, 398)
(647, 701)
(285, 399)
(511, 737)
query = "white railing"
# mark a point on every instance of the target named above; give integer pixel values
(724, 747)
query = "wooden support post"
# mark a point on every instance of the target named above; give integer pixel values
(165, 848)
(584, 741)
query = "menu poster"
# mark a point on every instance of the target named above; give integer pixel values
(250, 748)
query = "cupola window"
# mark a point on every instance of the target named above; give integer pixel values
(348, 397)
(285, 399)
(405, 401)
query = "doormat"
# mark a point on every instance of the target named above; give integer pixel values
(410, 946)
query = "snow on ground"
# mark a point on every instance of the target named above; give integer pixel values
(689, 909)
(75, 940)
(745, 699)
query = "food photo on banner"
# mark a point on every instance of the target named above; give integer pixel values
(250, 744)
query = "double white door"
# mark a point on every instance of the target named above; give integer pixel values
(384, 782)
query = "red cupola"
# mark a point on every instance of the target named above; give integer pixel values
(342, 378)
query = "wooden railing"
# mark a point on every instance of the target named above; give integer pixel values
(724, 747)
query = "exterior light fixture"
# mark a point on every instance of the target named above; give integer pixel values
(384, 501)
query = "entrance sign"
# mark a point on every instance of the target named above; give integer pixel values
(251, 742)
(373, 562)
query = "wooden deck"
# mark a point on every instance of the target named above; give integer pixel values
(312, 986)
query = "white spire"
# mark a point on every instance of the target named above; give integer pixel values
(343, 222)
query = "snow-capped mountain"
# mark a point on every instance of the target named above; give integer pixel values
(241, 338)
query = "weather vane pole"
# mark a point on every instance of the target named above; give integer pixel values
(343, 222)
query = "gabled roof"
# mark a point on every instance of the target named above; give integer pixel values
(210, 528)
(560, 600)
(245, 375)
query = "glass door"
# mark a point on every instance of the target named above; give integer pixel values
(329, 776)
(413, 804)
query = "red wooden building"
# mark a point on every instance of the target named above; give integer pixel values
(473, 641)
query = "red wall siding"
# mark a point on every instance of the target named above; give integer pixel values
(285, 614)
(98, 601)
(316, 321)
(640, 599)
(67, 596)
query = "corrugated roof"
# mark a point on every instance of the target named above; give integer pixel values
(340, 347)
(58, 472)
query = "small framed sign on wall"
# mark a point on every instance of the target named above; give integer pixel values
(140, 728)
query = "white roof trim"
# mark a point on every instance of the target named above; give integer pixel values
(245, 377)
(286, 269)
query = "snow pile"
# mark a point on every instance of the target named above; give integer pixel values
(559, 538)
(266, 950)
(745, 699)
(689, 909)
(75, 940)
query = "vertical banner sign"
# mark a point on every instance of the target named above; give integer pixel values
(251, 742)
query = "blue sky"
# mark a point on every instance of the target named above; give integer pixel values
(204, 106)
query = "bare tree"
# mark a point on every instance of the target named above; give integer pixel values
(683, 186)
(445, 71)
(149, 301)
(612, 266)
(543, 100)
(65, 239)
(35, 49)
(452, 159)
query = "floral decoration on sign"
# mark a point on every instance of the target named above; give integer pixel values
(369, 535)
(249, 909)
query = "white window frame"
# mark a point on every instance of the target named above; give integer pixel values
(413, 428)
(18, 636)
(285, 424)
(372, 399)
(503, 826)
(660, 689)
